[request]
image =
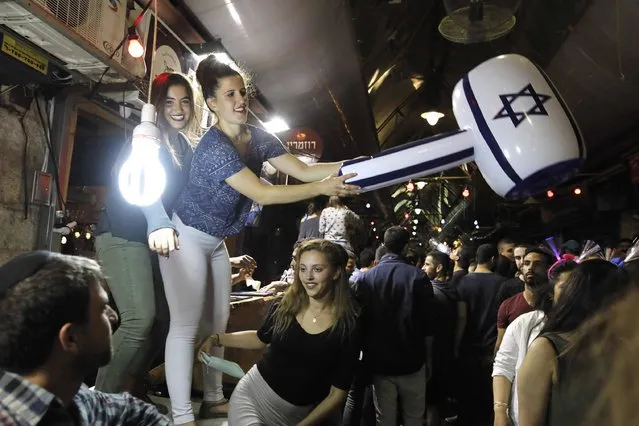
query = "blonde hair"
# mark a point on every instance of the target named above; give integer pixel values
(296, 299)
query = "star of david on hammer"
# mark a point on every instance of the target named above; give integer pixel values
(518, 116)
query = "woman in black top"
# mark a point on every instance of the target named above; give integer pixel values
(307, 369)
(541, 388)
(122, 247)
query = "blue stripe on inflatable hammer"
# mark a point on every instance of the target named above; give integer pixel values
(402, 147)
(487, 134)
(415, 169)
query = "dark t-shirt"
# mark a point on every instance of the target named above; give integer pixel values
(511, 308)
(508, 289)
(457, 276)
(302, 367)
(125, 220)
(309, 229)
(444, 320)
(479, 292)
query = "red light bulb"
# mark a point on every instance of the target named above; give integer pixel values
(550, 194)
(135, 48)
(577, 191)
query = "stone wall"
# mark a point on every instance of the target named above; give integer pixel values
(17, 233)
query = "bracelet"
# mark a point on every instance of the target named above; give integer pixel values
(217, 340)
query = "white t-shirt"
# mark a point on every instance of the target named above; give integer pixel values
(518, 337)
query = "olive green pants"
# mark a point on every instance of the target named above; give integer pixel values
(136, 286)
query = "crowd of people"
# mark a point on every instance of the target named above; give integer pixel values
(513, 333)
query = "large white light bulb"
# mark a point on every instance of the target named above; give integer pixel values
(142, 178)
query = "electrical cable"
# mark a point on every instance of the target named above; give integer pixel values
(24, 168)
(155, 39)
(126, 37)
(52, 155)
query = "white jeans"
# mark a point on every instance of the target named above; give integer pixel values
(411, 389)
(197, 283)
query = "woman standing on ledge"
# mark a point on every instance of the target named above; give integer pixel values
(214, 205)
(313, 346)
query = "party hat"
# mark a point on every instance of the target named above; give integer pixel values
(590, 249)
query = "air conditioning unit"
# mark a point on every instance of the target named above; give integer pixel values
(81, 33)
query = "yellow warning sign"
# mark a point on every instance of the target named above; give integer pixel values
(25, 54)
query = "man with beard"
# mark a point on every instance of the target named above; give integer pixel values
(535, 264)
(55, 329)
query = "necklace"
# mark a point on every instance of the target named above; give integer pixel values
(318, 314)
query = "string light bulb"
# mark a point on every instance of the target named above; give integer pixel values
(465, 193)
(76, 234)
(368, 205)
(142, 178)
(134, 45)
(550, 193)
(577, 191)
(63, 240)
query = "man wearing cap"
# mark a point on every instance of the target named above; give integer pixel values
(55, 328)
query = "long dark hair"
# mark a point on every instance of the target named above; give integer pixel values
(159, 92)
(295, 299)
(591, 286)
(160, 89)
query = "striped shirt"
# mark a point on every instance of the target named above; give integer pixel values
(26, 404)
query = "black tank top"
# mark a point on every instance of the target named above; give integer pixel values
(576, 388)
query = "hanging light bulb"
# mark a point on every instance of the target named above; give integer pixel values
(134, 45)
(374, 229)
(415, 227)
(142, 178)
(63, 240)
(475, 222)
(443, 221)
(466, 193)
(550, 193)
(77, 234)
(432, 117)
(87, 235)
(418, 211)
(421, 184)
(416, 221)
(414, 233)
(577, 191)
(368, 205)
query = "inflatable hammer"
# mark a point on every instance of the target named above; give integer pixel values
(513, 124)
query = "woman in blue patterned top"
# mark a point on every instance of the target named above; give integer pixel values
(214, 205)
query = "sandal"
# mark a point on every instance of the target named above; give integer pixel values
(208, 409)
